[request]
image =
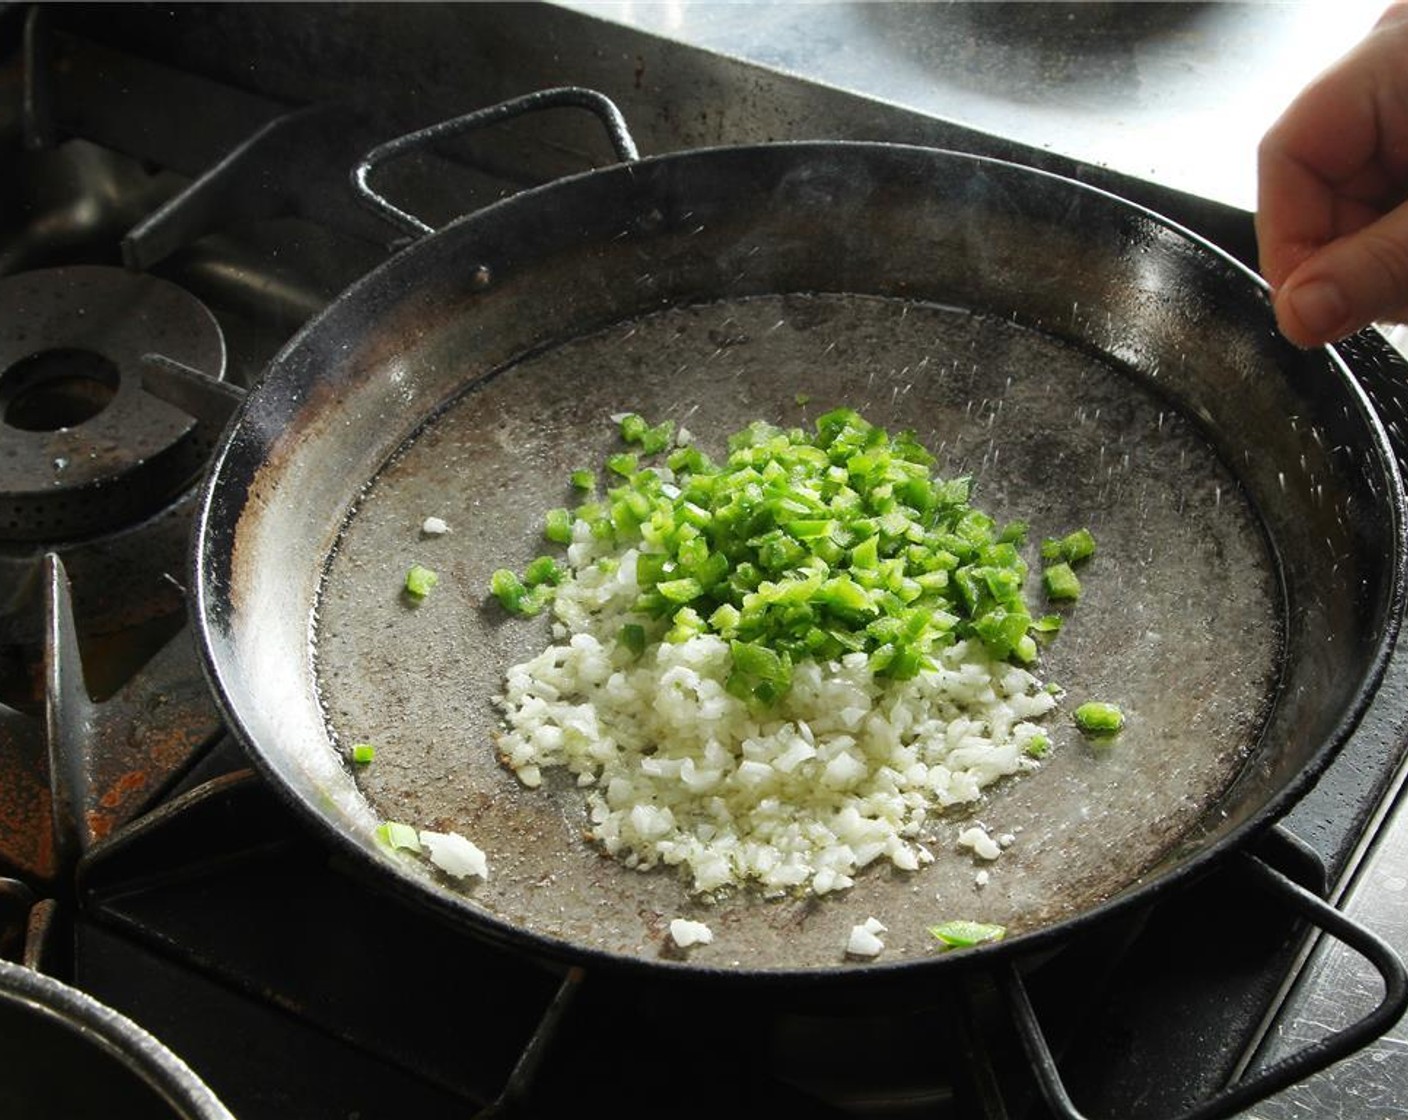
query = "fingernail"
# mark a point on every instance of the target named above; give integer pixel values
(1320, 306)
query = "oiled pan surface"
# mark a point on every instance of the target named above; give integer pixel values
(1180, 620)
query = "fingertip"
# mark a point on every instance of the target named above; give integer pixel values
(1288, 324)
(1313, 312)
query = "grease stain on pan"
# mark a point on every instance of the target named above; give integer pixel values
(1179, 622)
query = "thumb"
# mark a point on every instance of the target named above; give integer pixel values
(1348, 284)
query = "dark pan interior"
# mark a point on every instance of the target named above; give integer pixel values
(1088, 364)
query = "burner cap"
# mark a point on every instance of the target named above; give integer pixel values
(83, 449)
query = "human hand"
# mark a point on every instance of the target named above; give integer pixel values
(1332, 194)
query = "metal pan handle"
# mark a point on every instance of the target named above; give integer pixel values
(566, 96)
(1272, 1079)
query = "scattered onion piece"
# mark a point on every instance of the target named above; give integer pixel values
(864, 940)
(982, 845)
(455, 855)
(686, 933)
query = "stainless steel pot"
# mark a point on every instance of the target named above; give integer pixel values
(67, 1055)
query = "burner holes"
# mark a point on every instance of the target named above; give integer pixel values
(56, 389)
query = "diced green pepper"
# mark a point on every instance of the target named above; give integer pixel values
(420, 581)
(1061, 582)
(1072, 548)
(624, 464)
(680, 590)
(513, 596)
(632, 636)
(963, 934)
(557, 526)
(806, 545)
(1096, 718)
(655, 440)
(398, 837)
(544, 569)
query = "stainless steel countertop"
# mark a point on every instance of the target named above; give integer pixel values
(1175, 93)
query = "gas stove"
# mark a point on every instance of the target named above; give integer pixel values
(174, 204)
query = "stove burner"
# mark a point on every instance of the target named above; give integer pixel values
(87, 449)
(110, 401)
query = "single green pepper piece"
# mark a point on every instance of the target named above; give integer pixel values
(1014, 532)
(543, 569)
(680, 590)
(1095, 718)
(1077, 546)
(1061, 582)
(398, 837)
(1071, 549)
(557, 526)
(632, 636)
(583, 480)
(514, 597)
(420, 581)
(655, 440)
(507, 588)
(962, 934)
(362, 753)
(624, 464)
(760, 670)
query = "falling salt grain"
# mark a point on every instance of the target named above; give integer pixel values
(434, 527)
(980, 880)
(686, 933)
(864, 941)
